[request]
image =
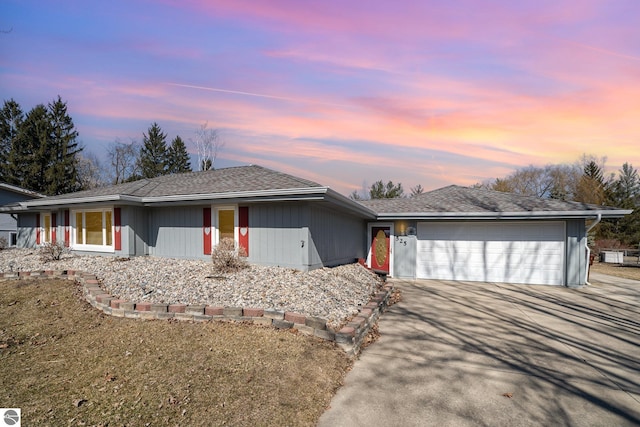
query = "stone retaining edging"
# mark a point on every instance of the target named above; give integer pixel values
(349, 338)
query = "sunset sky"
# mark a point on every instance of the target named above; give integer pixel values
(341, 92)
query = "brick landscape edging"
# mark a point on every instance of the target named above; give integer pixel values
(349, 338)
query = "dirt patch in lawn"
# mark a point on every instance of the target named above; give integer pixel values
(64, 363)
(626, 272)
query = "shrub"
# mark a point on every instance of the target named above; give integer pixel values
(227, 257)
(3, 243)
(52, 251)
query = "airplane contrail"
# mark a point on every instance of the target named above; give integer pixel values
(259, 95)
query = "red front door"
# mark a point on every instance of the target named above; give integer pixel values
(380, 240)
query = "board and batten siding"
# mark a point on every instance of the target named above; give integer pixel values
(134, 231)
(335, 238)
(576, 256)
(276, 235)
(176, 232)
(27, 225)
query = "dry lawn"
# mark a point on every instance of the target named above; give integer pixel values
(64, 363)
(626, 272)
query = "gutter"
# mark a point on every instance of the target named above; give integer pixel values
(613, 213)
(586, 245)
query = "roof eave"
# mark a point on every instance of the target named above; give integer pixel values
(504, 215)
(310, 193)
(351, 205)
(19, 190)
(57, 203)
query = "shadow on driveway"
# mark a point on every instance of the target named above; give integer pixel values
(462, 353)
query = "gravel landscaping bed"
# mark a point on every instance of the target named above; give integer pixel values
(334, 294)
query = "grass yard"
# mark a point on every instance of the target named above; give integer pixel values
(626, 272)
(65, 363)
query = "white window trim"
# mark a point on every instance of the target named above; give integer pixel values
(44, 237)
(86, 247)
(214, 221)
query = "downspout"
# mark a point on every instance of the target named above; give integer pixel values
(586, 245)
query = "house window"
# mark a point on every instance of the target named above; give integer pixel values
(14, 239)
(46, 227)
(93, 230)
(226, 222)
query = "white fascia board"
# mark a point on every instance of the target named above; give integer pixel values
(80, 201)
(506, 215)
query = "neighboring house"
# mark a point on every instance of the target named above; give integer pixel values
(10, 194)
(453, 233)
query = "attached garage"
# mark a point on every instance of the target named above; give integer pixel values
(475, 234)
(510, 252)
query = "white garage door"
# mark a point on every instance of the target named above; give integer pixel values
(511, 252)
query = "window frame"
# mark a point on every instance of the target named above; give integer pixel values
(216, 226)
(107, 234)
(45, 237)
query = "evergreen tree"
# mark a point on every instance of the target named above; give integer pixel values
(61, 175)
(626, 189)
(28, 158)
(11, 118)
(153, 154)
(379, 190)
(177, 157)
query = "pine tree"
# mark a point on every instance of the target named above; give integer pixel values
(11, 118)
(62, 172)
(153, 154)
(177, 157)
(379, 190)
(28, 158)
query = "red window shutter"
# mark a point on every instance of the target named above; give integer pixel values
(117, 241)
(243, 225)
(37, 229)
(67, 227)
(206, 230)
(54, 227)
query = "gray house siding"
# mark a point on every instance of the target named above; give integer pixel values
(405, 249)
(176, 232)
(8, 222)
(278, 235)
(576, 256)
(334, 238)
(27, 230)
(135, 230)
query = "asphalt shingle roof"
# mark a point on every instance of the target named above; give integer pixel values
(475, 200)
(233, 179)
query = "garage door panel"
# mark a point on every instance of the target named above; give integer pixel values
(521, 252)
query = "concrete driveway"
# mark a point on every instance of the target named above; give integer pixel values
(484, 354)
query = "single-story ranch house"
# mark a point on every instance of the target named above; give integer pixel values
(454, 233)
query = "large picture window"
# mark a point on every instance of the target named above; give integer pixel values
(93, 229)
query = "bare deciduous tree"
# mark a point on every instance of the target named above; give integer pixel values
(91, 174)
(124, 161)
(209, 145)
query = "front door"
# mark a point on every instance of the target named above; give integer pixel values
(380, 241)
